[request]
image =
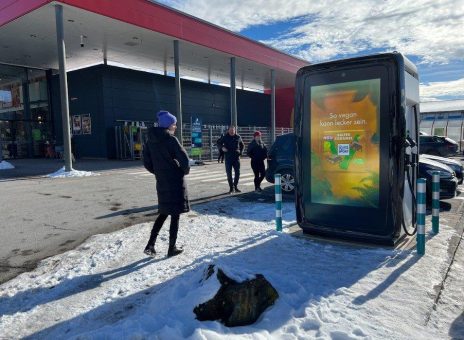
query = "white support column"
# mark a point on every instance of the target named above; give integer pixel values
(178, 92)
(63, 87)
(233, 94)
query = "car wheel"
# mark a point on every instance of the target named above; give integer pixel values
(287, 181)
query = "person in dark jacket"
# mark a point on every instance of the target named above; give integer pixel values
(165, 157)
(233, 146)
(221, 153)
(257, 151)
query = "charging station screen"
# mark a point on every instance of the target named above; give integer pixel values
(345, 157)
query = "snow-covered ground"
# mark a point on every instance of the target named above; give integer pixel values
(61, 173)
(107, 288)
(4, 165)
(193, 162)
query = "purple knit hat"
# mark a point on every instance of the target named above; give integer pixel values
(165, 119)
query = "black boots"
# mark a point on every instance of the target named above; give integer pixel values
(150, 250)
(173, 251)
(234, 189)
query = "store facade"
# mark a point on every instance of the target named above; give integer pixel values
(104, 97)
(190, 66)
(101, 98)
(26, 120)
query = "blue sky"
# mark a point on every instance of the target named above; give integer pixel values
(429, 32)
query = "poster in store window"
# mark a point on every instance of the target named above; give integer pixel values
(16, 93)
(36, 135)
(86, 122)
(76, 125)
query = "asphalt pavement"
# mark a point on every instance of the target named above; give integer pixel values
(41, 217)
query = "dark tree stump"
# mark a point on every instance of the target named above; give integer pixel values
(237, 303)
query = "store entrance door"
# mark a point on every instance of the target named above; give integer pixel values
(130, 137)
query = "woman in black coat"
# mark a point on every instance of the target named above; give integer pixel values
(165, 157)
(257, 151)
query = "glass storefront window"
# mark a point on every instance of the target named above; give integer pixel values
(25, 120)
(39, 111)
(12, 132)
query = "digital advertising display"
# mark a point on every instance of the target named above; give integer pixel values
(344, 135)
(197, 143)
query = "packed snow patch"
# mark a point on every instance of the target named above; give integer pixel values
(107, 288)
(4, 165)
(193, 162)
(73, 173)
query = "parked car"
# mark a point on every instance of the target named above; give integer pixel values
(448, 179)
(437, 145)
(280, 161)
(454, 164)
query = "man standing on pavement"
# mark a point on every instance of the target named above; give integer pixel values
(165, 157)
(257, 151)
(233, 146)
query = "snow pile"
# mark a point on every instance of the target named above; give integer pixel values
(193, 162)
(4, 165)
(73, 173)
(107, 288)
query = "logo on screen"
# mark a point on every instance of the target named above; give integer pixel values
(343, 149)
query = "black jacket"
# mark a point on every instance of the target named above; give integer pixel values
(257, 151)
(164, 157)
(233, 144)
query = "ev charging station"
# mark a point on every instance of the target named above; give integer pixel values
(356, 126)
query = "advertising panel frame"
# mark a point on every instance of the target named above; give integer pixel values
(382, 225)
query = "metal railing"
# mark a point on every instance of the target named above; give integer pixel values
(211, 133)
(128, 139)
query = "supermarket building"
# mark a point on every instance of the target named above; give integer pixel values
(124, 61)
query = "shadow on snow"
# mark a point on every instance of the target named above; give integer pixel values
(325, 269)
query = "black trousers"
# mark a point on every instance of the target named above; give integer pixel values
(221, 156)
(235, 164)
(259, 170)
(174, 227)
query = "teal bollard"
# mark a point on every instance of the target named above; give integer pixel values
(278, 201)
(420, 238)
(436, 202)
